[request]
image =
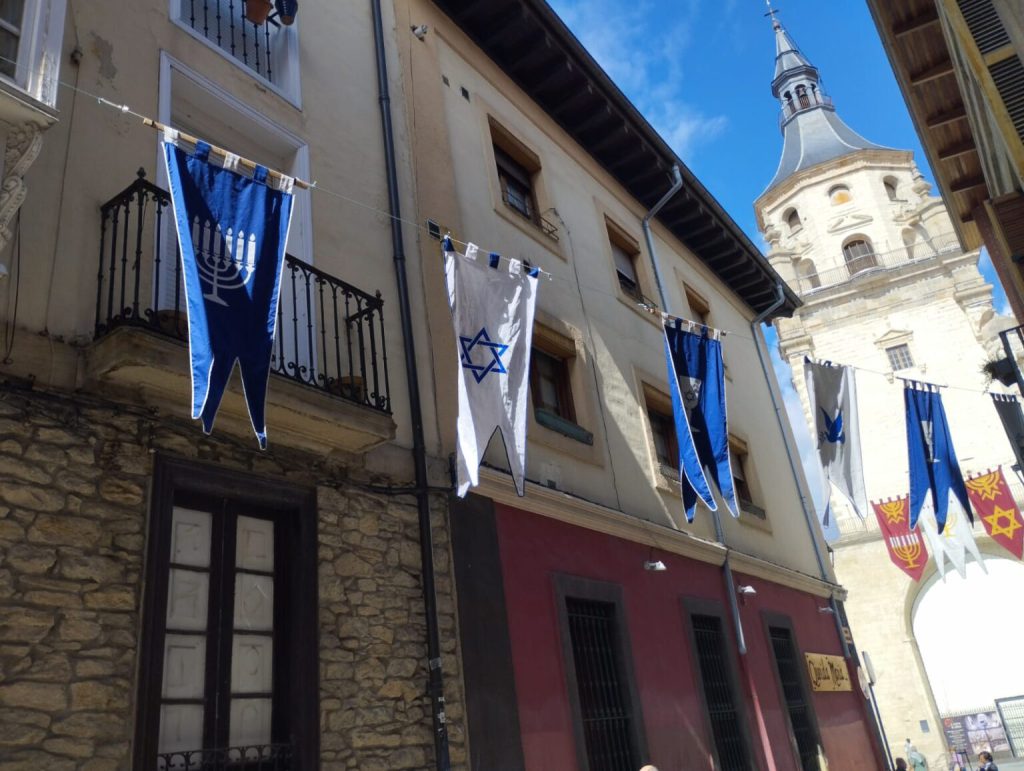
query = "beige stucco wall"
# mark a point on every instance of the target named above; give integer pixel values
(618, 347)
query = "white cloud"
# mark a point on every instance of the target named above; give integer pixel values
(645, 61)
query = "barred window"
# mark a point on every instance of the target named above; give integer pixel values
(720, 691)
(899, 357)
(801, 722)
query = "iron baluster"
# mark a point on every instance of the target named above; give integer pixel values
(266, 50)
(124, 254)
(99, 274)
(374, 395)
(337, 342)
(206, 19)
(348, 343)
(322, 348)
(310, 350)
(295, 326)
(256, 46)
(385, 403)
(115, 221)
(362, 351)
(218, 23)
(140, 221)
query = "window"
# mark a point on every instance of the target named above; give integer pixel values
(802, 98)
(859, 256)
(700, 310)
(718, 686)
(738, 460)
(625, 269)
(607, 717)
(899, 357)
(516, 185)
(891, 188)
(550, 385)
(230, 626)
(839, 194)
(793, 222)
(801, 721)
(11, 14)
(663, 427)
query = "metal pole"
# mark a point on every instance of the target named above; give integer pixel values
(881, 728)
(435, 678)
(1005, 337)
(809, 518)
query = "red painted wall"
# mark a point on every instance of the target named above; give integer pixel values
(534, 548)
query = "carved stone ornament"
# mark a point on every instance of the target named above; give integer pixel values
(23, 145)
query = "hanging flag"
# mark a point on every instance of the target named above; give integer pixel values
(232, 231)
(990, 493)
(832, 393)
(955, 542)
(697, 385)
(1013, 423)
(932, 459)
(906, 547)
(492, 310)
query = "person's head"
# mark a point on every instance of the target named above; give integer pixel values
(901, 764)
(648, 768)
(985, 757)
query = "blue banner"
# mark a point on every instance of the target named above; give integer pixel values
(696, 379)
(232, 231)
(931, 457)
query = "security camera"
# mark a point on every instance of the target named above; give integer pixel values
(746, 591)
(420, 32)
(655, 566)
(826, 609)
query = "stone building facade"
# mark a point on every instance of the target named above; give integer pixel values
(888, 289)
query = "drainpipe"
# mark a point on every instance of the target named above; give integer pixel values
(435, 681)
(809, 517)
(730, 583)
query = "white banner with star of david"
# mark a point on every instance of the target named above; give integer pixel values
(492, 300)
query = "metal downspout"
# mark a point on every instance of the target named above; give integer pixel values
(435, 682)
(730, 583)
(808, 517)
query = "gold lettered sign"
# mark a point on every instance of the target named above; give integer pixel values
(828, 673)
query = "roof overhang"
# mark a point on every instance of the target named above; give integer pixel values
(531, 44)
(912, 35)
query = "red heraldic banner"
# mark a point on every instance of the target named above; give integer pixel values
(906, 547)
(991, 497)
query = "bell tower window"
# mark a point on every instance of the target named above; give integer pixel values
(839, 194)
(793, 222)
(801, 96)
(859, 255)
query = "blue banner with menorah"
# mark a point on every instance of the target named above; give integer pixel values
(232, 230)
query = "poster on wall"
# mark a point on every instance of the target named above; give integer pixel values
(976, 732)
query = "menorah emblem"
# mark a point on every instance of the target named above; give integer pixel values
(893, 510)
(907, 548)
(225, 260)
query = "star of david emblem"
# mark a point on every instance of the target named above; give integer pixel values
(482, 340)
(998, 514)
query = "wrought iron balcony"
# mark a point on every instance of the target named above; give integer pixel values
(223, 23)
(330, 334)
(877, 261)
(262, 757)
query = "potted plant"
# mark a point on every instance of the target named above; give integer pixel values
(1001, 370)
(257, 11)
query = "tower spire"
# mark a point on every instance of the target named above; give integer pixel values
(812, 131)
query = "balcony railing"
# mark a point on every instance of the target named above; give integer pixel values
(877, 261)
(224, 24)
(330, 335)
(547, 227)
(798, 105)
(262, 757)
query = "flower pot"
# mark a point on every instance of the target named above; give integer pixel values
(257, 11)
(286, 10)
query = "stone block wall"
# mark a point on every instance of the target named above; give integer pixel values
(74, 482)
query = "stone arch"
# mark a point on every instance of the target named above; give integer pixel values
(859, 254)
(839, 194)
(892, 187)
(807, 274)
(792, 219)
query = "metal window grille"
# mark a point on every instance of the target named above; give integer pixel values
(11, 19)
(719, 693)
(793, 693)
(604, 705)
(985, 25)
(224, 24)
(1011, 713)
(899, 357)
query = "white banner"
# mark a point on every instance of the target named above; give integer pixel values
(492, 309)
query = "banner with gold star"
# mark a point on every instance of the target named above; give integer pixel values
(906, 547)
(991, 497)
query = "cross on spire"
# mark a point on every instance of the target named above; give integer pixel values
(772, 13)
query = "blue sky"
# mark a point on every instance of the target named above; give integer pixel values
(700, 72)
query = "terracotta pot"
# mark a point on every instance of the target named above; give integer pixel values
(257, 11)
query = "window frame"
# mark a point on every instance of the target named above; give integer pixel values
(897, 350)
(574, 587)
(771, 619)
(853, 262)
(788, 218)
(182, 482)
(700, 606)
(837, 189)
(630, 248)
(739, 453)
(661, 404)
(566, 408)
(700, 308)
